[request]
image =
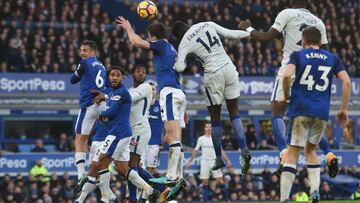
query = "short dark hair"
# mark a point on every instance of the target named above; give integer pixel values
(91, 44)
(179, 29)
(157, 30)
(115, 68)
(311, 36)
(138, 66)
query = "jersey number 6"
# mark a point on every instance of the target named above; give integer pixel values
(99, 81)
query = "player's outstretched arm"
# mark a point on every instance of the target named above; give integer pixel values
(271, 34)
(135, 39)
(231, 34)
(193, 155)
(342, 115)
(180, 63)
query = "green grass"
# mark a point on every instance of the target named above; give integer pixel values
(321, 201)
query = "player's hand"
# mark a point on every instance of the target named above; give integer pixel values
(103, 119)
(99, 96)
(186, 118)
(342, 117)
(123, 23)
(229, 164)
(244, 24)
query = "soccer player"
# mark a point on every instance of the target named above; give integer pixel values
(309, 106)
(207, 161)
(151, 155)
(116, 145)
(172, 99)
(220, 78)
(92, 76)
(291, 22)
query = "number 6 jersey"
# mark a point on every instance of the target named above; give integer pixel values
(311, 90)
(203, 40)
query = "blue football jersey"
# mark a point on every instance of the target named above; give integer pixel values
(311, 90)
(164, 60)
(101, 131)
(156, 124)
(93, 77)
(118, 112)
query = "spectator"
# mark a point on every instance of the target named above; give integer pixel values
(64, 144)
(326, 194)
(39, 146)
(263, 145)
(251, 137)
(40, 171)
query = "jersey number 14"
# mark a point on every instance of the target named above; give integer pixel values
(308, 79)
(212, 41)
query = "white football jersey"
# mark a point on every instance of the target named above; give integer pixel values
(207, 148)
(203, 40)
(291, 22)
(141, 100)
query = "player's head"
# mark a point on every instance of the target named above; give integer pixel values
(156, 31)
(179, 29)
(139, 73)
(298, 3)
(311, 36)
(88, 49)
(153, 88)
(207, 128)
(115, 75)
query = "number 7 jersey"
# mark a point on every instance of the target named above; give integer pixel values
(203, 40)
(311, 90)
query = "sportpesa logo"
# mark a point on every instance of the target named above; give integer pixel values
(33, 84)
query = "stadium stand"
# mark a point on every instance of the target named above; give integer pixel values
(43, 36)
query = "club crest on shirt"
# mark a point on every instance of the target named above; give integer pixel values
(156, 109)
(115, 98)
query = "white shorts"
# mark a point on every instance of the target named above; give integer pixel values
(141, 134)
(118, 149)
(94, 152)
(303, 129)
(150, 158)
(223, 83)
(205, 170)
(278, 92)
(173, 105)
(86, 118)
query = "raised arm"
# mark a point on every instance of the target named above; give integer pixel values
(231, 34)
(76, 77)
(183, 51)
(135, 39)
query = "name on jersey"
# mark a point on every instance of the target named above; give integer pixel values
(312, 55)
(153, 117)
(192, 35)
(115, 98)
(96, 63)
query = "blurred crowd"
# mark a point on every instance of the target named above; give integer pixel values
(44, 36)
(42, 187)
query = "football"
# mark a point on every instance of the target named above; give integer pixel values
(147, 10)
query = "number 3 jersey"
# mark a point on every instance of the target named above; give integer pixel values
(93, 76)
(291, 22)
(311, 90)
(203, 40)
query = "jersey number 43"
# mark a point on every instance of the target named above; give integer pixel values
(308, 79)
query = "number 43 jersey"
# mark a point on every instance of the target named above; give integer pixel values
(93, 77)
(203, 40)
(311, 90)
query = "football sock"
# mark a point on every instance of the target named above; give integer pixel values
(174, 156)
(286, 181)
(104, 185)
(205, 193)
(135, 179)
(87, 189)
(239, 131)
(132, 189)
(146, 175)
(279, 128)
(314, 176)
(324, 145)
(216, 136)
(80, 163)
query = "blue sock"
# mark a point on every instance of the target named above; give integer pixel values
(132, 190)
(239, 131)
(216, 137)
(279, 130)
(324, 145)
(146, 175)
(205, 193)
(224, 191)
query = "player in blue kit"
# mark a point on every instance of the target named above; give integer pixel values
(92, 76)
(309, 107)
(172, 100)
(116, 145)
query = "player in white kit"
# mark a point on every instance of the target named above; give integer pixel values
(290, 23)
(207, 161)
(221, 79)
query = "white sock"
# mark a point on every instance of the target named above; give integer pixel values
(173, 160)
(180, 165)
(287, 179)
(80, 158)
(135, 179)
(104, 185)
(314, 176)
(89, 185)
